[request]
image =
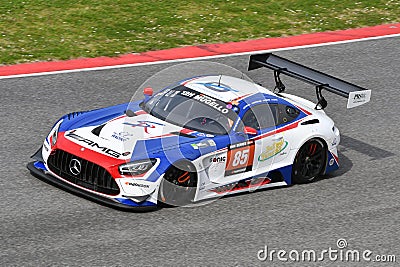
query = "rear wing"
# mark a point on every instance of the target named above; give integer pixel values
(355, 94)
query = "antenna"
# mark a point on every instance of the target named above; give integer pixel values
(219, 80)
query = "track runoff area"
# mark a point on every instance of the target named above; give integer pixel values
(202, 52)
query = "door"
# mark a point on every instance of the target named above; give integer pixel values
(271, 144)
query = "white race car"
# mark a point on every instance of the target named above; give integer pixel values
(198, 139)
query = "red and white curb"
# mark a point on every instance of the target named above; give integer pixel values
(202, 51)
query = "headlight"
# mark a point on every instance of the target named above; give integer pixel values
(137, 167)
(55, 135)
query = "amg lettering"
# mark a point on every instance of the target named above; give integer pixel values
(95, 145)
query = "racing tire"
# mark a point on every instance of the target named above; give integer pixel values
(309, 162)
(178, 186)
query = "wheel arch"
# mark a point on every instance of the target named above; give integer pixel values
(171, 180)
(305, 141)
(182, 161)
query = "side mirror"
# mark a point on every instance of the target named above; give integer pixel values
(148, 91)
(250, 130)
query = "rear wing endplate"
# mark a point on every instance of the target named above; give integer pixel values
(355, 94)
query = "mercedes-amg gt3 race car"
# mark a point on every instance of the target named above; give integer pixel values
(198, 139)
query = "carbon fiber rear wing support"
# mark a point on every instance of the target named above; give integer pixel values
(355, 94)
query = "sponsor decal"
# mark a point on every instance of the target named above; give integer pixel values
(195, 146)
(137, 184)
(218, 159)
(211, 142)
(171, 93)
(145, 124)
(331, 161)
(357, 98)
(122, 136)
(360, 97)
(205, 135)
(219, 87)
(273, 149)
(211, 102)
(240, 158)
(204, 143)
(207, 100)
(218, 105)
(188, 94)
(94, 145)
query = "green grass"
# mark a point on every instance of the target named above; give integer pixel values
(43, 30)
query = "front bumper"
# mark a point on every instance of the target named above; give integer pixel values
(41, 174)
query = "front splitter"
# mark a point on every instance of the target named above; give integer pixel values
(87, 195)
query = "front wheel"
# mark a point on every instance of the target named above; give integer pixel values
(178, 186)
(309, 162)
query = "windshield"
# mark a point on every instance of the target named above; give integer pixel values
(190, 109)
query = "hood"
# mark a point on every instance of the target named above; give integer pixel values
(120, 136)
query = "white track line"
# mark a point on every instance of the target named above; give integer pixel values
(196, 58)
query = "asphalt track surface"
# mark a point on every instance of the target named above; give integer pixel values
(42, 225)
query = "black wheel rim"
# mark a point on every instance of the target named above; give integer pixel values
(310, 160)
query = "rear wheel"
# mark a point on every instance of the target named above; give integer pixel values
(178, 186)
(309, 162)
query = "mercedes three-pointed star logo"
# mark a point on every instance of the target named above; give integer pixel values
(75, 166)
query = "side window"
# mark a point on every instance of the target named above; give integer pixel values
(260, 116)
(249, 119)
(286, 114)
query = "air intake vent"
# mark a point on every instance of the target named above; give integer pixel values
(75, 114)
(82, 172)
(313, 121)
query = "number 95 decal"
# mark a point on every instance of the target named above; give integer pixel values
(240, 158)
